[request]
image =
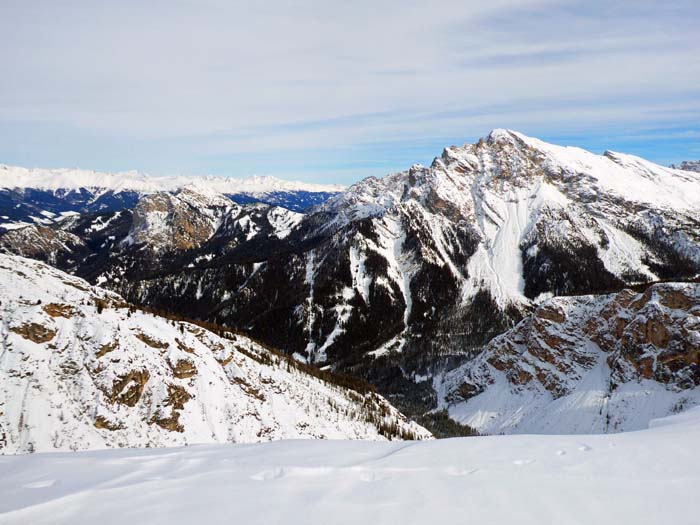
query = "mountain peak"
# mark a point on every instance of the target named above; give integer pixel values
(502, 134)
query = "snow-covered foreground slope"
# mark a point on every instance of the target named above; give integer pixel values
(81, 369)
(645, 477)
(605, 363)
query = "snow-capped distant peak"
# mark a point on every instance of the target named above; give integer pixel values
(54, 179)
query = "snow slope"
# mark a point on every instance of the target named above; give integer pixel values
(640, 478)
(587, 364)
(80, 369)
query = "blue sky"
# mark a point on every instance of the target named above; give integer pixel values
(336, 91)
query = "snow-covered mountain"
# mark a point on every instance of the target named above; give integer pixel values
(399, 278)
(82, 369)
(587, 364)
(523, 201)
(76, 179)
(41, 196)
(421, 268)
(162, 229)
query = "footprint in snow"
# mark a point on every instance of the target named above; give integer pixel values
(453, 471)
(584, 448)
(373, 476)
(561, 453)
(267, 475)
(295, 472)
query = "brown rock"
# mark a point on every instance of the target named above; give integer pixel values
(102, 422)
(151, 341)
(182, 346)
(674, 299)
(639, 303)
(35, 332)
(177, 397)
(59, 310)
(183, 369)
(106, 348)
(656, 332)
(551, 313)
(131, 395)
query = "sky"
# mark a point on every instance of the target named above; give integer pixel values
(331, 91)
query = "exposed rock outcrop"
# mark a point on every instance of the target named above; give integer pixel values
(600, 363)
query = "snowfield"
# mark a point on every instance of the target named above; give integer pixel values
(648, 476)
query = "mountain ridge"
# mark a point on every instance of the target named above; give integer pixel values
(71, 179)
(44, 197)
(397, 279)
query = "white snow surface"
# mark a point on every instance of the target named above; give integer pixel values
(54, 179)
(67, 372)
(644, 477)
(283, 221)
(633, 177)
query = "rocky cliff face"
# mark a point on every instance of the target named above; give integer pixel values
(57, 247)
(585, 364)
(81, 369)
(181, 221)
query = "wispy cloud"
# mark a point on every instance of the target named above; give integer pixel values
(320, 90)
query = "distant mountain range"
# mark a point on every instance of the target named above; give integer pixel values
(41, 196)
(402, 279)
